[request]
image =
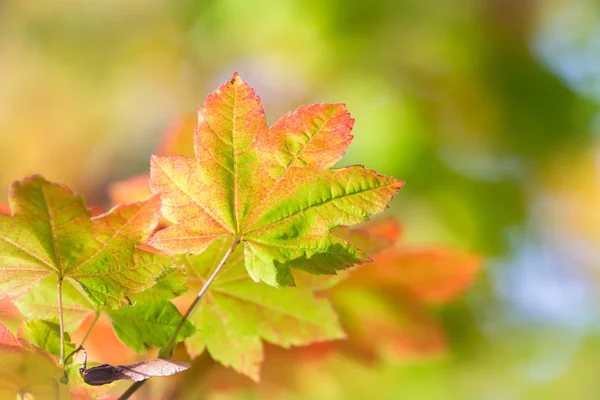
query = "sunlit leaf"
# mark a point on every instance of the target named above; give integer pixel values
(41, 302)
(46, 335)
(272, 187)
(52, 233)
(7, 338)
(148, 323)
(429, 274)
(26, 370)
(169, 284)
(236, 314)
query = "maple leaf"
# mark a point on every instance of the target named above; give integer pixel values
(50, 232)
(45, 334)
(427, 274)
(40, 303)
(272, 188)
(237, 313)
(27, 371)
(150, 321)
(383, 304)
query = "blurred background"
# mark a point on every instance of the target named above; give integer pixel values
(488, 109)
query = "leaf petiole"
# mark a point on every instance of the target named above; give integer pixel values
(61, 360)
(65, 377)
(167, 350)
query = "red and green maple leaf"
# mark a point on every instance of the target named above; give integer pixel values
(51, 232)
(272, 188)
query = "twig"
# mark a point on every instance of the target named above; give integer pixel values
(167, 350)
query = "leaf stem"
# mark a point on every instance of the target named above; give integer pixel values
(167, 350)
(61, 323)
(80, 347)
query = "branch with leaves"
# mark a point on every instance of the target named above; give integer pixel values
(254, 204)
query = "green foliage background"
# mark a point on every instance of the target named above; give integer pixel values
(488, 109)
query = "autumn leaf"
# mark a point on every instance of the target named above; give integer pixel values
(273, 188)
(51, 232)
(148, 323)
(383, 305)
(429, 274)
(41, 302)
(45, 334)
(27, 371)
(7, 338)
(383, 318)
(236, 314)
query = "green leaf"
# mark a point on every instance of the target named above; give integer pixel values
(273, 188)
(41, 302)
(236, 314)
(46, 335)
(27, 371)
(148, 323)
(51, 232)
(171, 283)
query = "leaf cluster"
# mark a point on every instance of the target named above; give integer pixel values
(263, 205)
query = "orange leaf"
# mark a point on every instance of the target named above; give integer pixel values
(430, 274)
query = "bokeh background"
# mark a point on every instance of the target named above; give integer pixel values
(488, 109)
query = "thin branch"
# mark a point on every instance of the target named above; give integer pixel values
(167, 350)
(61, 323)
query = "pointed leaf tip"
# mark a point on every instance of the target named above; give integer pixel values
(236, 79)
